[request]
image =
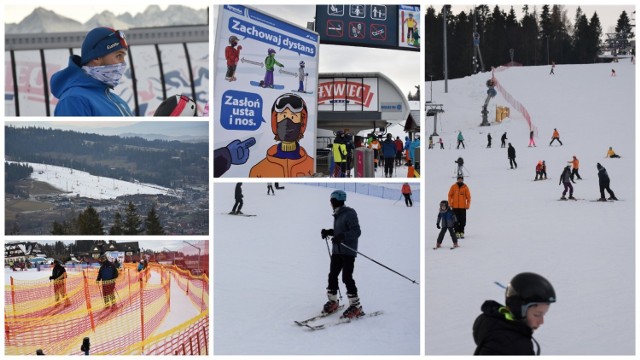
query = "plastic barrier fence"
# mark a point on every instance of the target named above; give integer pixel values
(119, 316)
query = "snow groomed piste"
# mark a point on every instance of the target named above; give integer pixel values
(34, 320)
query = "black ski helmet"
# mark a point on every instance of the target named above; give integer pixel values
(445, 203)
(527, 289)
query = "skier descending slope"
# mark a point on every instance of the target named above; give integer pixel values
(448, 219)
(346, 229)
(566, 180)
(508, 330)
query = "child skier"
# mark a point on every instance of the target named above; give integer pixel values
(566, 180)
(449, 220)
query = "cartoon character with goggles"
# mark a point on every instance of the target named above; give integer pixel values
(289, 117)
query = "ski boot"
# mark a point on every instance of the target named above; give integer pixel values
(602, 199)
(355, 309)
(571, 197)
(332, 305)
(461, 236)
(613, 198)
(232, 212)
(438, 246)
(563, 198)
(239, 212)
(456, 245)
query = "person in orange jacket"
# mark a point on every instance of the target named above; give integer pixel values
(575, 166)
(406, 191)
(460, 201)
(288, 158)
(555, 136)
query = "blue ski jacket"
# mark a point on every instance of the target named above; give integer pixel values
(81, 95)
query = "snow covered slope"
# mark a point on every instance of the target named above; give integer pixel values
(272, 269)
(586, 249)
(83, 184)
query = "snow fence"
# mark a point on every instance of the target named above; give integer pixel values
(387, 191)
(35, 320)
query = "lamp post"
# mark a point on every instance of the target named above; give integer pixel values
(190, 244)
(174, 255)
(547, 36)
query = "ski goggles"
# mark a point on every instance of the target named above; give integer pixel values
(121, 38)
(292, 102)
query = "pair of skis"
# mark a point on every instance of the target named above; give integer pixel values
(342, 320)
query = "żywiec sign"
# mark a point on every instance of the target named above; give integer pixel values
(341, 92)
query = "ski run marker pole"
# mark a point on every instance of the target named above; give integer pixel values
(384, 266)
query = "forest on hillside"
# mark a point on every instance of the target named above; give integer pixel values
(539, 36)
(167, 163)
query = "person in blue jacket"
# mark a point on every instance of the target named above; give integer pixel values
(389, 154)
(447, 218)
(415, 144)
(108, 275)
(345, 234)
(84, 87)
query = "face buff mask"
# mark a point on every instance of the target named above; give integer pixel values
(288, 131)
(108, 74)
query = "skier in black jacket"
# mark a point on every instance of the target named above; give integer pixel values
(603, 181)
(59, 277)
(238, 204)
(511, 154)
(508, 330)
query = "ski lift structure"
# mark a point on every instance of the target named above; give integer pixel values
(433, 110)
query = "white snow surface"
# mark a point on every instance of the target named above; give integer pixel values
(586, 249)
(272, 269)
(80, 183)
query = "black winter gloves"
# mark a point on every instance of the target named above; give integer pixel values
(438, 225)
(325, 233)
(337, 239)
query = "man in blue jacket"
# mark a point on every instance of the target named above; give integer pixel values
(84, 87)
(345, 234)
(389, 153)
(108, 275)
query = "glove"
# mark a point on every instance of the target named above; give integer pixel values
(337, 239)
(50, 277)
(325, 233)
(438, 225)
(239, 150)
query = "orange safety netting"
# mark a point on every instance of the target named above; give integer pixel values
(119, 315)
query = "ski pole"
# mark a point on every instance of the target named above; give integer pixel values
(384, 266)
(499, 284)
(398, 199)
(329, 251)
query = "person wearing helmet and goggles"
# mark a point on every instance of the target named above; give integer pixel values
(345, 231)
(232, 54)
(508, 329)
(288, 158)
(269, 64)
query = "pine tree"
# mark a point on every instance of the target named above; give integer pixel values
(89, 222)
(117, 229)
(152, 223)
(132, 221)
